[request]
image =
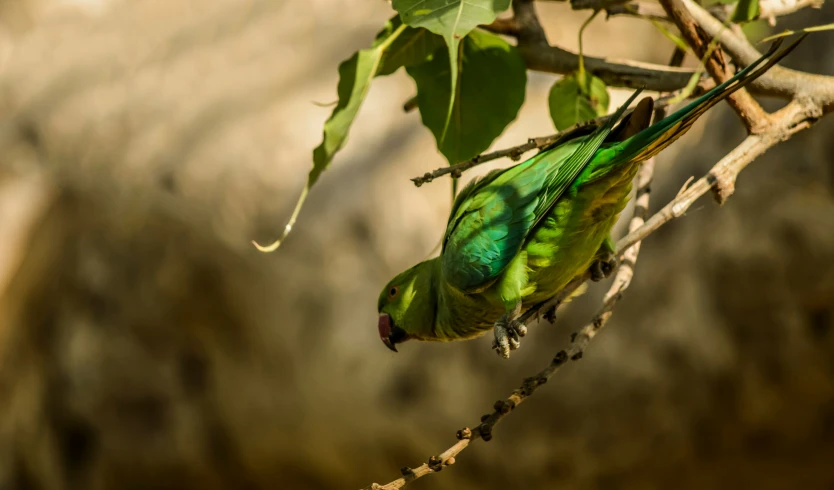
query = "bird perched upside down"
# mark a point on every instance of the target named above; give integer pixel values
(517, 236)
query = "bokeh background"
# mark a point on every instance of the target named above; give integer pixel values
(145, 344)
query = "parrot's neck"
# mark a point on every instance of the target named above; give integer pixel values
(422, 312)
(460, 316)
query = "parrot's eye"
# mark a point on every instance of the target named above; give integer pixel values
(392, 293)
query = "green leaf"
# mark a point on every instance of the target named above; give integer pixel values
(452, 19)
(355, 75)
(572, 102)
(449, 18)
(745, 11)
(412, 47)
(491, 91)
(826, 27)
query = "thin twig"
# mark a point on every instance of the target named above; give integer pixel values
(515, 152)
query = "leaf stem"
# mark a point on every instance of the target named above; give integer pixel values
(581, 71)
(287, 229)
(454, 67)
(390, 39)
(314, 174)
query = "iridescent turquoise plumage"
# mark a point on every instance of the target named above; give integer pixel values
(517, 236)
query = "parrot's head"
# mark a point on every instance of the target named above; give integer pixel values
(407, 306)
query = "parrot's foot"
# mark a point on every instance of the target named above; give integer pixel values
(603, 268)
(507, 335)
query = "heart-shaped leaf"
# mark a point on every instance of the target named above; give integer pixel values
(412, 47)
(452, 19)
(493, 78)
(572, 102)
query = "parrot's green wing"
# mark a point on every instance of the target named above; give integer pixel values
(492, 216)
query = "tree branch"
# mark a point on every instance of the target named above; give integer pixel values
(506, 27)
(796, 116)
(614, 72)
(778, 80)
(749, 111)
(541, 56)
(649, 10)
(770, 9)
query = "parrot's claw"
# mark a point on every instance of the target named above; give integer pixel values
(507, 335)
(603, 268)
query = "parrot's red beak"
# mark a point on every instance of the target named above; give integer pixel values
(385, 331)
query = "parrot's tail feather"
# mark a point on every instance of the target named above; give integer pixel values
(657, 137)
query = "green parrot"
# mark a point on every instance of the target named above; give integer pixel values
(517, 236)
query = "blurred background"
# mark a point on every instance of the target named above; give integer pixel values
(145, 344)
